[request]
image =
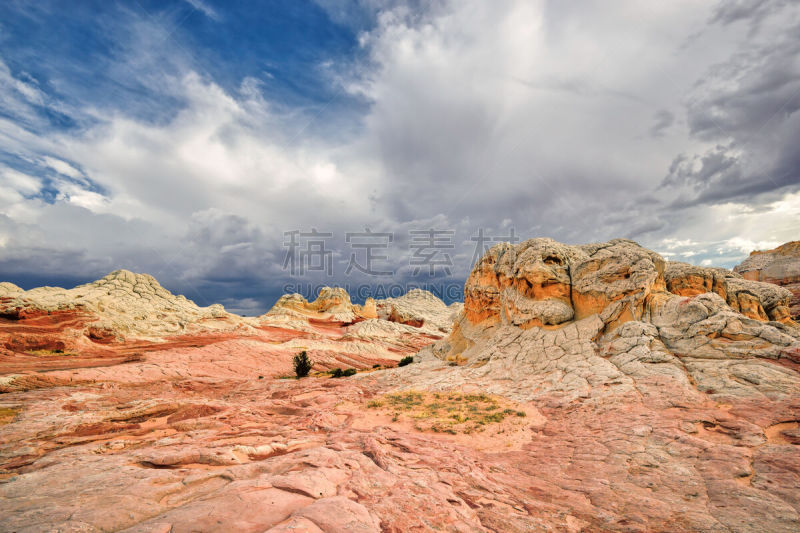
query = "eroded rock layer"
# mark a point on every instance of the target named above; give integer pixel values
(780, 266)
(125, 316)
(544, 283)
(120, 307)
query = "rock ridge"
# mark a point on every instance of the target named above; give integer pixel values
(780, 266)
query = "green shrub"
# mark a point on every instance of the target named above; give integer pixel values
(339, 373)
(302, 364)
(407, 360)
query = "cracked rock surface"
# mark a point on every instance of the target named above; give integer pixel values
(649, 396)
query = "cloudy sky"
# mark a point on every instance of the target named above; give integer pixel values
(197, 140)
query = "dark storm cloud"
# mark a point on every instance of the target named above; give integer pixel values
(662, 121)
(723, 174)
(751, 11)
(745, 95)
(748, 105)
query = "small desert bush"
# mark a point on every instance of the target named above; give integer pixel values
(407, 360)
(302, 364)
(339, 373)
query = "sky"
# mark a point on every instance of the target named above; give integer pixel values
(239, 150)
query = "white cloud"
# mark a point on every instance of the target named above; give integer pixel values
(18, 96)
(204, 8)
(20, 181)
(15, 187)
(62, 167)
(726, 234)
(224, 150)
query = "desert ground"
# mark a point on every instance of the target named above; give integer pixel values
(578, 388)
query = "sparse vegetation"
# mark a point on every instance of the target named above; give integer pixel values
(302, 364)
(7, 415)
(456, 359)
(452, 413)
(407, 360)
(339, 373)
(46, 353)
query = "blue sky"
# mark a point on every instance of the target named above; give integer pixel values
(185, 138)
(102, 53)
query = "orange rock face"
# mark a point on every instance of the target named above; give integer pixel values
(525, 285)
(753, 299)
(781, 267)
(541, 283)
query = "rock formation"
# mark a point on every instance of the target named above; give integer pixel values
(339, 333)
(760, 301)
(421, 309)
(332, 305)
(562, 297)
(654, 377)
(124, 316)
(624, 393)
(780, 266)
(108, 321)
(116, 307)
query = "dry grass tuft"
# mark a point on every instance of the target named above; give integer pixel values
(49, 353)
(447, 412)
(7, 415)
